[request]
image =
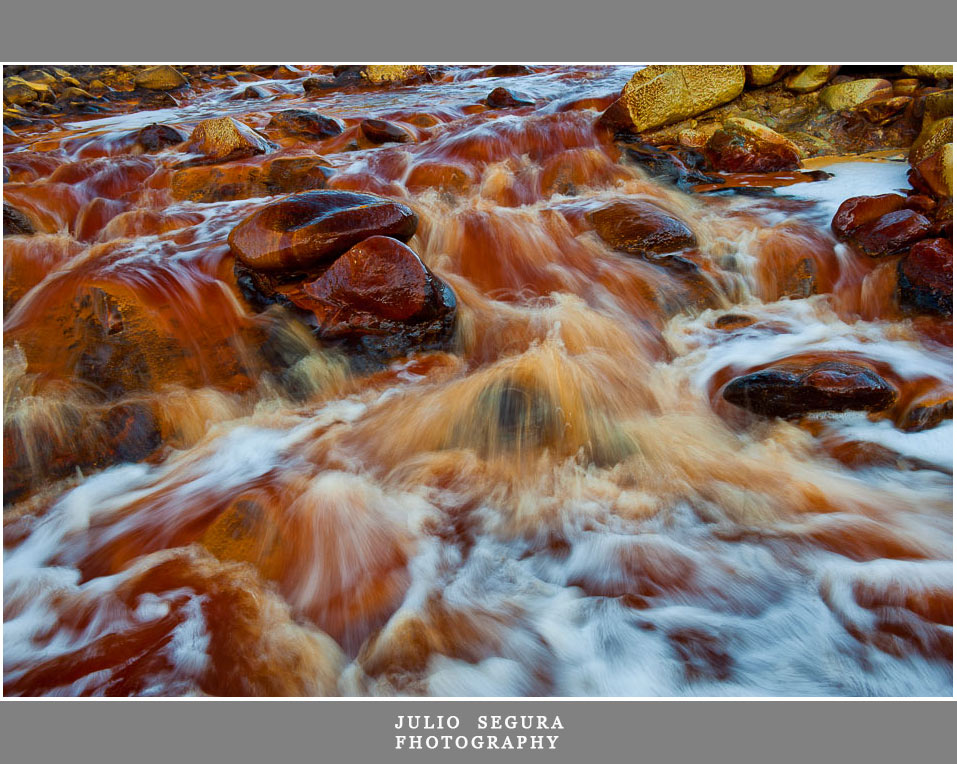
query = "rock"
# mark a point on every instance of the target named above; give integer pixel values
(927, 410)
(224, 139)
(159, 78)
(745, 146)
(318, 84)
(932, 137)
(444, 177)
(936, 105)
(858, 210)
(881, 110)
(759, 76)
(16, 223)
(906, 87)
(930, 71)
(507, 70)
(306, 229)
(788, 390)
(380, 287)
(847, 95)
(937, 171)
(251, 92)
(156, 137)
(502, 98)
(810, 78)
(385, 74)
(926, 277)
(379, 131)
(304, 123)
(283, 175)
(891, 234)
(640, 228)
(660, 95)
(19, 93)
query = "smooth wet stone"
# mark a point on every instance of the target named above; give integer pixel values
(883, 109)
(225, 139)
(662, 94)
(380, 287)
(640, 228)
(759, 76)
(159, 78)
(503, 98)
(858, 210)
(156, 137)
(441, 176)
(926, 277)
(742, 145)
(304, 123)
(318, 84)
(380, 131)
(19, 93)
(303, 230)
(892, 233)
(937, 171)
(788, 390)
(847, 95)
(251, 92)
(810, 78)
(930, 71)
(219, 183)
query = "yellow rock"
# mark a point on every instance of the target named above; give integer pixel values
(937, 170)
(660, 95)
(75, 94)
(937, 106)
(159, 78)
(930, 71)
(810, 78)
(747, 128)
(382, 73)
(932, 137)
(759, 76)
(19, 93)
(847, 95)
(224, 139)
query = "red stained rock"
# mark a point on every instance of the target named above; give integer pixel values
(745, 146)
(224, 139)
(304, 123)
(640, 228)
(858, 210)
(503, 98)
(381, 288)
(379, 131)
(303, 230)
(892, 233)
(450, 178)
(926, 277)
(788, 390)
(283, 175)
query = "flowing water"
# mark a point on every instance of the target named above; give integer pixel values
(562, 504)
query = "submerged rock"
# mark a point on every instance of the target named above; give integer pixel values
(926, 277)
(16, 223)
(283, 175)
(304, 123)
(382, 293)
(380, 131)
(305, 229)
(503, 98)
(156, 137)
(640, 228)
(788, 390)
(225, 139)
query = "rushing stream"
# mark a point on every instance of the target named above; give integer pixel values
(562, 503)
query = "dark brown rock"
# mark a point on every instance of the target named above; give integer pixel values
(250, 92)
(379, 131)
(157, 137)
(926, 277)
(507, 70)
(16, 223)
(304, 123)
(788, 390)
(503, 98)
(640, 228)
(858, 210)
(892, 233)
(303, 230)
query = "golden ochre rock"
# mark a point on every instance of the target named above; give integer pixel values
(660, 95)
(759, 76)
(938, 106)
(810, 78)
(937, 171)
(932, 137)
(385, 73)
(930, 71)
(847, 95)
(159, 78)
